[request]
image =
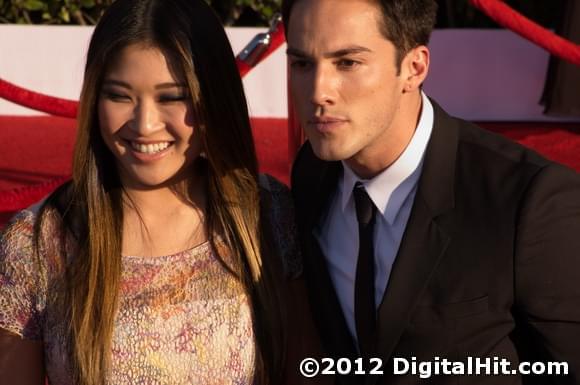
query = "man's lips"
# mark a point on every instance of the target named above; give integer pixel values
(325, 119)
(325, 124)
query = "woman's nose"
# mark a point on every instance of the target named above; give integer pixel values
(146, 119)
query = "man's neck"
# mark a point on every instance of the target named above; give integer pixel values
(372, 160)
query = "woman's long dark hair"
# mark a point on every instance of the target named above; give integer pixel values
(193, 40)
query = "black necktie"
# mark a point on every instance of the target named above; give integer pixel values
(364, 287)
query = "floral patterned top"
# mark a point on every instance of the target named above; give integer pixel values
(182, 319)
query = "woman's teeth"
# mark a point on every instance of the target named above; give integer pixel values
(150, 148)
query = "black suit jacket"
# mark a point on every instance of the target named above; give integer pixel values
(489, 264)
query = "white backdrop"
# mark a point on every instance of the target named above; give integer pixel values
(482, 75)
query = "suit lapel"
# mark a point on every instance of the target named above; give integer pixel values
(425, 239)
(421, 248)
(326, 307)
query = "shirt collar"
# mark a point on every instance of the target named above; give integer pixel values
(389, 189)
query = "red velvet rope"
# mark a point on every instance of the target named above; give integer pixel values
(16, 199)
(277, 38)
(505, 16)
(37, 101)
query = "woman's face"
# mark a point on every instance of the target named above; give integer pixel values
(146, 119)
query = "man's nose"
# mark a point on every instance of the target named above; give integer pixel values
(146, 119)
(323, 86)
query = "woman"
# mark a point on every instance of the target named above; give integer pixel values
(157, 263)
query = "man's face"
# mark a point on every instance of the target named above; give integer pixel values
(343, 78)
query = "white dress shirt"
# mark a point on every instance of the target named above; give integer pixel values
(393, 192)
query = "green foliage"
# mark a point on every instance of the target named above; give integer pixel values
(461, 14)
(87, 12)
(453, 13)
(83, 12)
(245, 12)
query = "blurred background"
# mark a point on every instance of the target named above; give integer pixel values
(479, 71)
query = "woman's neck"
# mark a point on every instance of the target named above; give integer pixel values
(164, 220)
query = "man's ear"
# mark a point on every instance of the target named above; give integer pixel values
(415, 67)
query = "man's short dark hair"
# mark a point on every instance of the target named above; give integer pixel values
(406, 23)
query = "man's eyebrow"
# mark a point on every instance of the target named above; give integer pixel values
(350, 50)
(113, 82)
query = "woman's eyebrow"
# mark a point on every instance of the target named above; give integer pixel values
(170, 85)
(113, 82)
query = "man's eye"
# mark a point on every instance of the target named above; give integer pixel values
(300, 64)
(347, 63)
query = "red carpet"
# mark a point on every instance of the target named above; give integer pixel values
(38, 150)
(559, 142)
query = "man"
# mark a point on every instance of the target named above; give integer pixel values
(425, 238)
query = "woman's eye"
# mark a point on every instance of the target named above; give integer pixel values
(116, 97)
(172, 98)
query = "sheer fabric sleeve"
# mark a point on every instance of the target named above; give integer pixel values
(22, 278)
